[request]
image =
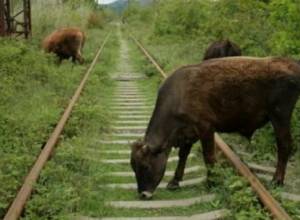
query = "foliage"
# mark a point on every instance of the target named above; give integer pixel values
(284, 16)
(237, 195)
(59, 191)
(96, 20)
(32, 97)
(34, 91)
(259, 27)
(48, 16)
(179, 18)
(180, 31)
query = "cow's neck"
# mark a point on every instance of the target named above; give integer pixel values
(159, 131)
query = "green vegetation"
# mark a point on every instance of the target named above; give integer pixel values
(234, 192)
(35, 90)
(177, 33)
(67, 177)
(259, 27)
(50, 15)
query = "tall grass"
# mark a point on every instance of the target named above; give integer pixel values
(34, 91)
(48, 17)
(66, 179)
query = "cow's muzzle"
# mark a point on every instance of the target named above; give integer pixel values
(145, 195)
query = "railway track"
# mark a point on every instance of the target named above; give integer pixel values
(132, 107)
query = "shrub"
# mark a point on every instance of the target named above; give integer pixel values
(96, 20)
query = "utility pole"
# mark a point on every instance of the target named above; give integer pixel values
(27, 18)
(2, 19)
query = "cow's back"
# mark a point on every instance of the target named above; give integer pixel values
(237, 93)
(67, 40)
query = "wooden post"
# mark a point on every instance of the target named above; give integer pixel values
(27, 18)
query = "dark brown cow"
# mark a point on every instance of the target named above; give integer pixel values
(233, 94)
(65, 43)
(224, 48)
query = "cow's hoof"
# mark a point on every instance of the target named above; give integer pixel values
(211, 183)
(146, 195)
(277, 182)
(173, 185)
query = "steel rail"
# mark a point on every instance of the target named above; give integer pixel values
(266, 198)
(164, 75)
(15, 210)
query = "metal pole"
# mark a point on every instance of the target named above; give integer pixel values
(2, 18)
(8, 17)
(27, 18)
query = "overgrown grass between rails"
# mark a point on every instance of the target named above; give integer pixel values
(237, 195)
(65, 179)
(34, 91)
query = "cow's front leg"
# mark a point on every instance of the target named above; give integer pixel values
(79, 57)
(183, 155)
(208, 150)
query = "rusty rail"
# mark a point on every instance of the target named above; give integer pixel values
(16, 208)
(267, 199)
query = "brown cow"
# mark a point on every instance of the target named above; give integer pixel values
(66, 43)
(233, 94)
(224, 48)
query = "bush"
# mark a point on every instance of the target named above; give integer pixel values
(180, 31)
(96, 20)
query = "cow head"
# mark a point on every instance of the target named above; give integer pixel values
(149, 166)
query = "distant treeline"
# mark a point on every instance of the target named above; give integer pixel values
(259, 27)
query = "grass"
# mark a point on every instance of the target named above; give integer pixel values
(33, 97)
(60, 190)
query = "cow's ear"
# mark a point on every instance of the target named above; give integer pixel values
(136, 146)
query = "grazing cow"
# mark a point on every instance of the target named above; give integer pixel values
(224, 48)
(65, 43)
(232, 94)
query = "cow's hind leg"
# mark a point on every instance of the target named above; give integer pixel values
(208, 148)
(281, 127)
(183, 155)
